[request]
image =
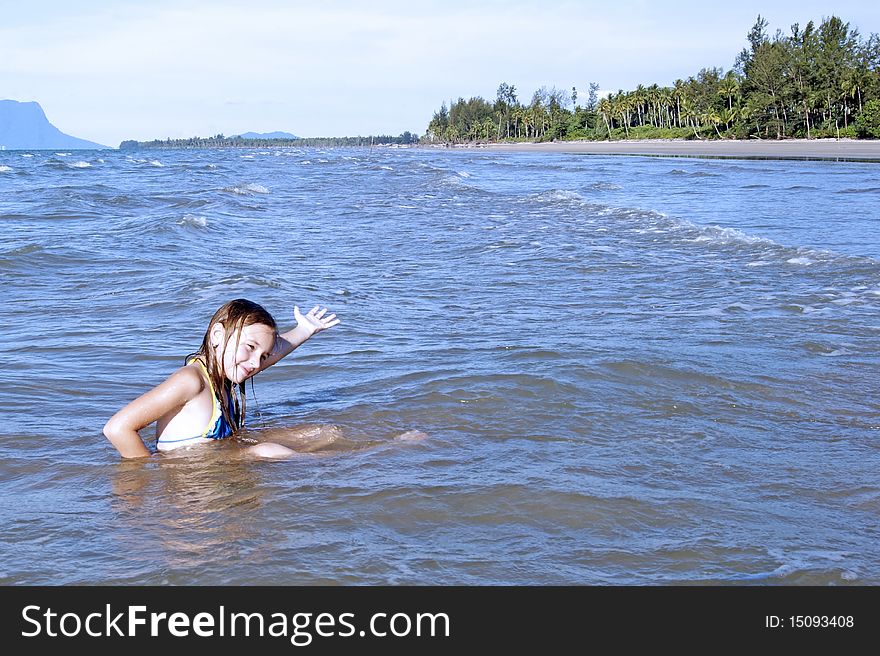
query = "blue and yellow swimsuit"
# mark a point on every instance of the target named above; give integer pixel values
(217, 428)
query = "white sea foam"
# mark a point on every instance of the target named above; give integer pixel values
(5, 169)
(563, 195)
(640, 222)
(151, 162)
(80, 165)
(605, 186)
(193, 220)
(249, 188)
(721, 235)
(27, 155)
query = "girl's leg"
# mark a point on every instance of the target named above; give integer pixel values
(270, 450)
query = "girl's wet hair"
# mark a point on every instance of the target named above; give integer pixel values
(233, 316)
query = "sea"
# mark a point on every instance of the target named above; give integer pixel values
(551, 369)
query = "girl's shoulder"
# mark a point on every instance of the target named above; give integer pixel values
(188, 381)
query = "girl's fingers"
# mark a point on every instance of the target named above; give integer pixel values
(316, 315)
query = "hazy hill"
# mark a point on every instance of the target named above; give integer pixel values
(268, 135)
(24, 126)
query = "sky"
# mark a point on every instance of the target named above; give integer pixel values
(107, 71)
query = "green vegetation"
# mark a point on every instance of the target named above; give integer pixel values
(813, 82)
(219, 141)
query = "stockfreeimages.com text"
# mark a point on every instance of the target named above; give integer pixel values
(300, 628)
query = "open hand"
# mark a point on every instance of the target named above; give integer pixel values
(314, 321)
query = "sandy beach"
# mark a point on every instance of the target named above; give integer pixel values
(832, 149)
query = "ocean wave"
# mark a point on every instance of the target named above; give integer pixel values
(25, 250)
(720, 235)
(230, 285)
(247, 189)
(643, 223)
(763, 250)
(694, 174)
(5, 169)
(556, 196)
(605, 186)
(151, 162)
(860, 190)
(80, 165)
(193, 221)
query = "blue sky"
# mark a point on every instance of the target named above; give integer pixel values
(108, 71)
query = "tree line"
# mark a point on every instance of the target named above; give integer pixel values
(221, 141)
(814, 81)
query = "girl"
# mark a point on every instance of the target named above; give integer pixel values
(198, 403)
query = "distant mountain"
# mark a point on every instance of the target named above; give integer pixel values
(24, 126)
(268, 135)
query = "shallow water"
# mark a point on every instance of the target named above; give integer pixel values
(630, 370)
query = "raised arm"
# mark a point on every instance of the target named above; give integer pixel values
(307, 325)
(122, 428)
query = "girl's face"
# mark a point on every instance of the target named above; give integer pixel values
(255, 343)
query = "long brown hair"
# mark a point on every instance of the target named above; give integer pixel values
(233, 316)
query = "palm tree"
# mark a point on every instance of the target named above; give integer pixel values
(620, 108)
(665, 100)
(714, 118)
(729, 116)
(653, 93)
(728, 88)
(677, 93)
(639, 96)
(690, 115)
(606, 110)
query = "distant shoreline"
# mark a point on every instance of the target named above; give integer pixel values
(803, 149)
